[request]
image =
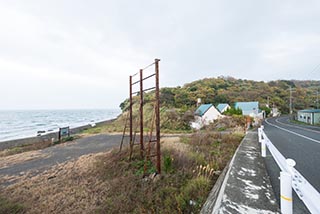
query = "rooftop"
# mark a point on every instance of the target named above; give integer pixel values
(310, 111)
(203, 109)
(221, 106)
(247, 106)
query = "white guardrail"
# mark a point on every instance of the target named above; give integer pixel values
(290, 179)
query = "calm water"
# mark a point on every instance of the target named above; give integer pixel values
(20, 124)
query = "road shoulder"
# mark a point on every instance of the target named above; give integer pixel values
(246, 187)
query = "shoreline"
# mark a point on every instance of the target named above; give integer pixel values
(46, 137)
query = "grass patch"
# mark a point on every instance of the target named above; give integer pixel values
(189, 170)
(34, 146)
(7, 206)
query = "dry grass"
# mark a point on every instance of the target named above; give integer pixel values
(110, 183)
(25, 148)
(72, 187)
(35, 146)
(19, 158)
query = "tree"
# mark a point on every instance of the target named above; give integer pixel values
(233, 111)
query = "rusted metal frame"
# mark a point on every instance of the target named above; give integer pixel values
(157, 110)
(124, 132)
(136, 92)
(136, 82)
(141, 114)
(147, 158)
(152, 155)
(145, 90)
(144, 79)
(130, 116)
(148, 66)
(149, 76)
(149, 89)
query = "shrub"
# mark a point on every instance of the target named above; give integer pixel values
(167, 163)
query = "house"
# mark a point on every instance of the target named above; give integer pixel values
(275, 112)
(205, 114)
(222, 107)
(248, 108)
(311, 116)
(251, 109)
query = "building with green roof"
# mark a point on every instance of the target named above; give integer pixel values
(311, 116)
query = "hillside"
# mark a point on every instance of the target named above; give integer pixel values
(231, 90)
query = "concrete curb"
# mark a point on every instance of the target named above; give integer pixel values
(244, 186)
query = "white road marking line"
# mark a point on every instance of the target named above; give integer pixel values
(298, 127)
(300, 135)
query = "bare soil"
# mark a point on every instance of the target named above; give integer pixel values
(70, 187)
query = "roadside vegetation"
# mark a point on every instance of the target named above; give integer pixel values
(190, 164)
(111, 183)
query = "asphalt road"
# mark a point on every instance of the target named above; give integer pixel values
(298, 142)
(64, 152)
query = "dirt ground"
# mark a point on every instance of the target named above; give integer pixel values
(70, 187)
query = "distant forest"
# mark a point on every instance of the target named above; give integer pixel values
(230, 90)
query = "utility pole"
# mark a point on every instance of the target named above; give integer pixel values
(290, 105)
(318, 99)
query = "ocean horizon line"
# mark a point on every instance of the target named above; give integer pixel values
(61, 109)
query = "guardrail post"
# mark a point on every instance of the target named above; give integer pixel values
(285, 193)
(263, 148)
(260, 134)
(286, 188)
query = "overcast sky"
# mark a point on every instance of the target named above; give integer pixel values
(79, 54)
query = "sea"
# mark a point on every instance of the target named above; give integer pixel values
(17, 124)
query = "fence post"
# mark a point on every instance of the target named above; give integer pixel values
(263, 148)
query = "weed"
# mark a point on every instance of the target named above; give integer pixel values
(193, 194)
(167, 163)
(205, 171)
(7, 206)
(69, 138)
(140, 167)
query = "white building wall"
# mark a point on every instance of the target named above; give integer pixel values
(305, 117)
(211, 115)
(316, 118)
